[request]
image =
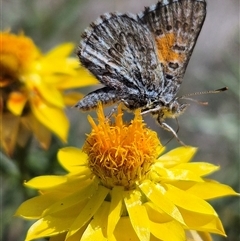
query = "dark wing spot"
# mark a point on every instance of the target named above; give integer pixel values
(118, 47)
(95, 36)
(84, 34)
(173, 65)
(137, 74)
(178, 47)
(93, 25)
(122, 39)
(108, 67)
(159, 32)
(169, 27)
(185, 26)
(111, 52)
(153, 66)
(114, 54)
(103, 17)
(168, 76)
(178, 24)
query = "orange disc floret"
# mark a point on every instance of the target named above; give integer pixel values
(120, 154)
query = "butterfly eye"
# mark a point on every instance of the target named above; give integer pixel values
(174, 108)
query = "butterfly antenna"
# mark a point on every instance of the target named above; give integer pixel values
(186, 97)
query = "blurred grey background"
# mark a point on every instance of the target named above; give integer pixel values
(214, 129)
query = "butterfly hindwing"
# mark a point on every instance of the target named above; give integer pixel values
(175, 26)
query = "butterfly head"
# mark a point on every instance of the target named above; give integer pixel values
(170, 110)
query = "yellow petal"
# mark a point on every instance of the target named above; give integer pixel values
(77, 236)
(72, 98)
(72, 183)
(63, 66)
(89, 210)
(188, 201)
(63, 70)
(177, 156)
(53, 118)
(59, 237)
(124, 231)
(49, 93)
(34, 207)
(45, 182)
(157, 195)
(81, 78)
(200, 168)
(215, 226)
(162, 225)
(97, 228)
(61, 51)
(202, 222)
(115, 209)
(72, 158)
(217, 190)
(41, 229)
(162, 174)
(155, 214)
(168, 231)
(137, 214)
(16, 102)
(195, 220)
(52, 224)
(78, 197)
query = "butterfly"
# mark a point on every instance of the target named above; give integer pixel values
(141, 59)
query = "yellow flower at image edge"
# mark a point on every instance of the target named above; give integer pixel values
(32, 85)
(121, 186)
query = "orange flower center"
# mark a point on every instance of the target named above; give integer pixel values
(120, 154)
(17, 53)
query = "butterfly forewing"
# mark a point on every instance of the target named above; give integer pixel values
(121, 53)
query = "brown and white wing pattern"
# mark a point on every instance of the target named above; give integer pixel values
(121, 53)
(175, 26)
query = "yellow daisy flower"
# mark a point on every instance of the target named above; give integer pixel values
(32, 85)
(121, 186)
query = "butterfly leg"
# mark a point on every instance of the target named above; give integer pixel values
(115, 107)
(112, 111)
(151, 110)
(165, 126)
